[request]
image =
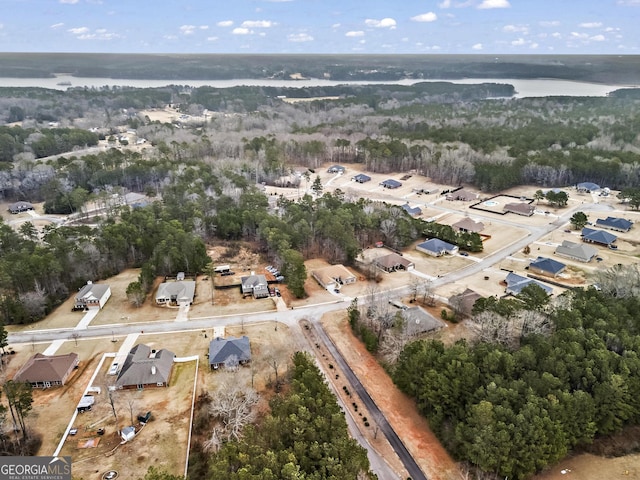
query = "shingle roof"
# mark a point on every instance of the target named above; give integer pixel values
(361, 177)
(392, 260)
(413, 211)
(46, 368)
(92, 291)
(437, 246)
(183, 291)
(254, 283)
(548, 265)
(221, 349)
(469, 225)
(576, 250)
(515, 284)
(420, 321)
(616, 223)
(138, 367)
(590, 186)
(391, 183)
(598, 236)
(520, 208)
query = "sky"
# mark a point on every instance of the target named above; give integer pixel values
(322, 26)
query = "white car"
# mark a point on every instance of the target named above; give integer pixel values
(114, 369)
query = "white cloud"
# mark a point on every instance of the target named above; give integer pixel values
(591, 24)
(487, 4)
(515, 29)
(556, 35)
(581, 36)
(204, 27)
(534, 45)
(170, 37)
(212, 39)
(598, 38)
(356, 33)
(384, 23)
(550, 23)
(78, 30)
(477, 46)
(300, 37)
(425, 17)
(445, 4)
(241, 31)
(336, 25)
(519, 42)
(187, 29)
(57, 25)
(225, 23)
(71, 2)
(257, 24)
(629, 3)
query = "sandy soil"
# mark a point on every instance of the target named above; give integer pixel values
(592, 467)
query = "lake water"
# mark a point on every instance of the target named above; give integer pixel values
(524, 88)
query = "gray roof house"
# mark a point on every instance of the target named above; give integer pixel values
(255, 285)
(576, 251)
(145, 367)
(361, 178)
(419, 321)
(221, 349)
(391, 183)
(600, 237)
(19, 207)
(436, 247)
(176, 293)
(615, 223)
(547, 266)
(515, 284)
(413, 211)
(92, 295)
(336, 169)
(45, 371)
(587, 187)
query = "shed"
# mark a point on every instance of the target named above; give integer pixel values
(127, 434)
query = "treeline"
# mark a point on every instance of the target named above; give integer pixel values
(304, 435)
(42, 142)
(469, 241)
(515, 410)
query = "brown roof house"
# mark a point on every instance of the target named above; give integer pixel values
(462, 195)
(45, 371)
(524, 209)
(146, 368)
(332, 276)
(468, 226)
(92, 295)
(393, 262)
(463, 302)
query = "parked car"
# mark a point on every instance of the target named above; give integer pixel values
(279, 278)
(73, 431)
(277, 292)
(227, 273)
(114, 369)
(464, 254)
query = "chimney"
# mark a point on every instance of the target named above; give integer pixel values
(89, 282)
(153, 369)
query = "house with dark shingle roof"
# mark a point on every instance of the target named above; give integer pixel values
(615, 223)
(515, 284)
(576, 251)
(599, 237)
(524, 209)
(418, 320)
(464, 302)
(436, 247)
(361, 178)
(546, 266)
(222, 349)
(391, 183)
(393, 262)
(587, 187)
(144, 368)
(462, 195)
(20, 207)
(336, 169)
(45, 371)
(413, 211)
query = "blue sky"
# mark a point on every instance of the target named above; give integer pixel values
(322, 26)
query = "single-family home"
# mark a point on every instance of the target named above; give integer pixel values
(145, 367)
(254, 285)
(136, 200)
(515, 284)
(462, 195)
(413, 211)
(221, 351)
(176, 293)
(587, 187)
(576, 251)
(547, 266)
(333, 276)
(467, 225)
(92, 295)
(336, 169)
(436, 247)
(615, 223)
(600, 237)
(417, 321)
(393, 262)
(361, 178)
(45, 371)
(519, 208)
(20, 207)
(391, 183)
(463, 302)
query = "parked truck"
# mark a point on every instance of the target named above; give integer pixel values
(86, 402)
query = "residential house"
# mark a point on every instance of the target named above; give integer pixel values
(254, 285)
(144, 368)
(463, 302)
(436, 247)
(45, 371)
(92, 295)
(393, 262)
(413, 211)
(20, 207)
(361, 178)
(417, 321)
(462, 195)
(176, 293)
(515, 284)
(391, 183)
(519, 208)
(576, 251)
(615, 223)
(599, 237)
(467, 225)
(222, 349)
(333, 276)
(336, 169)
(587, 187)
(546, 266)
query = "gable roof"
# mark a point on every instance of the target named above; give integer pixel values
(183, 290)
(436, 245)
(92, 292)
(138, 368)
(520, 208)
(466, 299)
(413, 211)
(598, 236)
(515, 284)
(254, 283)
(419, 321)
(578, 251)
(469, 225)
(463, 195)
(548, 265)
(391, 183)
(361, 177)
(46, 368)
(615, 223)
(329, 275)
(220, 349)
(393, 260)
(588, 186)
(20, 207)
(335, 168)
